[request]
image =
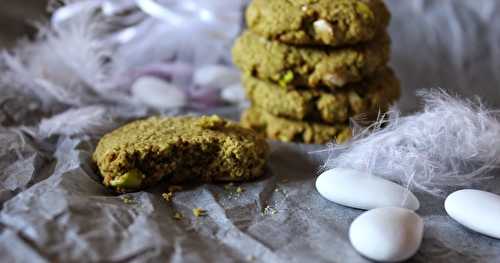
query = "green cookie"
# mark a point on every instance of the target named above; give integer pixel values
(293, 131)
(370, 96)
(144, 152)
(309, 66)
(318, 22)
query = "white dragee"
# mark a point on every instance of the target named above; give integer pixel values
(387, 234)
(158, 93)
(216, 76)
(362, 190)
(476, 210)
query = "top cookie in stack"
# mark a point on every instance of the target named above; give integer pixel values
(318, 22)
(310, 65)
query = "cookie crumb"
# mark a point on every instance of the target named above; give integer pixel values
(198, 212)
(127, 199)
(268, 210)
(178, 216)
(168, 196)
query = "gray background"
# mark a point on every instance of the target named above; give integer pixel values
(449, 44)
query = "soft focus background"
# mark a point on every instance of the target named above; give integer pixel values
(435, 43)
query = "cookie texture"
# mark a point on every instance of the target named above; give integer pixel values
(318, 22)
(294, 131)
(373, 95)
(309, 66)
(208, 148)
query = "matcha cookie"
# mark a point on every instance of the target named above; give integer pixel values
(293, 131)
(372, 95)
(144, 152)
(318, 22)
(308, 66)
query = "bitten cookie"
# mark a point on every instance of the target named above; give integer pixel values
(319, 22)
(144, 152)
(293, 131)
(308, 66)
(373, 95)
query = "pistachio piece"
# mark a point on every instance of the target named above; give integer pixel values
(287, 78)
(130, 179)
(364, 10)
(213, 122)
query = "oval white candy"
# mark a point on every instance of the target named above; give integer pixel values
(158, 93)
(360, 190)
(388, 234)
(476, 210)
(216, 76)
(233, 93)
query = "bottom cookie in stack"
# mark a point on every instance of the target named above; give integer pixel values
(314, 116)
(288, 130)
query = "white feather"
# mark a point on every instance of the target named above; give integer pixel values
(86, 55)
(450, 143)
(65, 64)
(93, 120)
(184, 37)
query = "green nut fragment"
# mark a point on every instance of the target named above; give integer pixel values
(130, 179)
(365, 10)
(213, 122)
(287, 78)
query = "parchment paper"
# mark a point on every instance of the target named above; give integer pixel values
(55, 210)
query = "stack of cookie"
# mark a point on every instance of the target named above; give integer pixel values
(311, 65)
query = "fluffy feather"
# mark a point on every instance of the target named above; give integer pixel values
(450, 143)
(67, 64)
(85, 59)
(87, 120)
(184, 37)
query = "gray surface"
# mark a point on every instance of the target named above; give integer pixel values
(53, 210)
(70, 216)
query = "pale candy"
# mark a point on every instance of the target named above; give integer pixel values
(216, 76)
(361, 190)
(476, 210)
(388, 234)
(233, 93)
(158, 93)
